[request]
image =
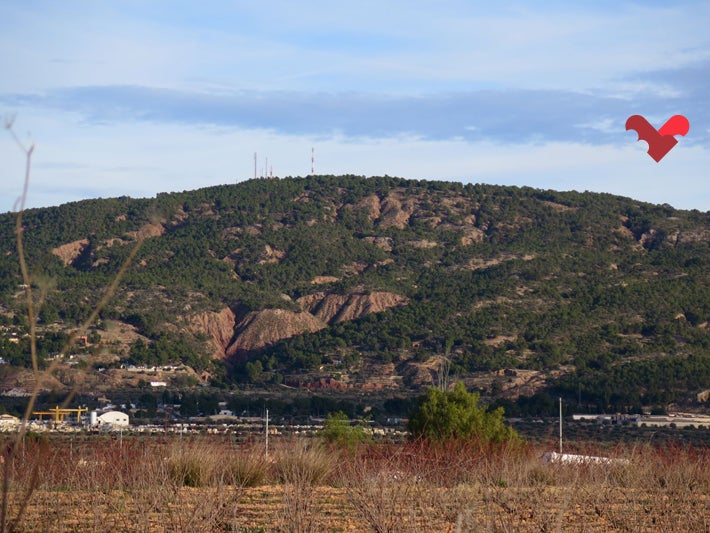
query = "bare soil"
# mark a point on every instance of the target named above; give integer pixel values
(466, 508)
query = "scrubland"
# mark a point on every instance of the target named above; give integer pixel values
(215, 484)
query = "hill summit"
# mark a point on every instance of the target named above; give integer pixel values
(351, 283)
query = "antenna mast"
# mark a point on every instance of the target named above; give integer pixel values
(254, 165)
(313, 161)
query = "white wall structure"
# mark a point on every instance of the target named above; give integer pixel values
(9, 422)
(111, 419)
(569, 458)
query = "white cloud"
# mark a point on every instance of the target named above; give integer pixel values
(431, 55)
(74, 161)
(408, 47)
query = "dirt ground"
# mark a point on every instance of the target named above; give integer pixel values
(385, 507)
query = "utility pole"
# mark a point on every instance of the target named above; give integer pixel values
(560, 424)
(267, 433)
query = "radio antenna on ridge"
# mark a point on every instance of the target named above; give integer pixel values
(313, 161)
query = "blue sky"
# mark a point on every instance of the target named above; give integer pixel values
(135, 98)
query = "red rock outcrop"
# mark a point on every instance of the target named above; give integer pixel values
(70, 251)
(320, 280)
(219, 326)
(334, 308)
(233, 335)
(271, 255)
(148, 231)
(263, 328)
(310, 302)
(372, 205)
(396, 213)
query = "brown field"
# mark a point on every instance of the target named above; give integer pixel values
(214, 484)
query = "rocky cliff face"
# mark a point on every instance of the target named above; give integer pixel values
(393, 211)
(218, 326)
(371, 205)
(234, 335)
(263, 328)
(332, 308)
(69, 252)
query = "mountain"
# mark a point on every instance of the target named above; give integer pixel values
(351, 284)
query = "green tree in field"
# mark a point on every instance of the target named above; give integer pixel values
(444, 415)
(337, 429)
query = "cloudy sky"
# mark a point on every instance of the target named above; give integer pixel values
(135, 98)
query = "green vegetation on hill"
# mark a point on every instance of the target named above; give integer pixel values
(608, 298)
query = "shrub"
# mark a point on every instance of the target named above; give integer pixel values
(247, 468)
(186, 470)
(444, 415)
(193, 465)
(302, 462)
(338, 430)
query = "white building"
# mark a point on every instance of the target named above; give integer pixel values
(108, 419)
(9, 422)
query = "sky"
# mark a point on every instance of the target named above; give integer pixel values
(133, 98)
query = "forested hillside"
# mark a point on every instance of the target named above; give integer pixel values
(352, 283)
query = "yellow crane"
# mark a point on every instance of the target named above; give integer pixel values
(59, 413)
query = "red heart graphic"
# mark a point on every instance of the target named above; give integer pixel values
(676, 125)
(659, 141)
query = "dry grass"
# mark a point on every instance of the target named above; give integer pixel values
(300, 465)
(212, 484)
(136, 486)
